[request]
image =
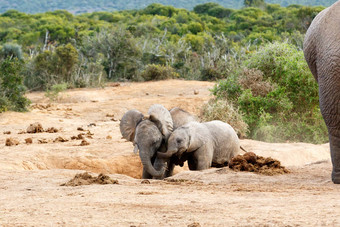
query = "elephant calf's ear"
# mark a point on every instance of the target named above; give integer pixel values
(128, 124)
(162, 118)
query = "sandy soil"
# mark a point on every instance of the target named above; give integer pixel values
(31, 174)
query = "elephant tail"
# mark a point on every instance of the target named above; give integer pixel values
(244, 150)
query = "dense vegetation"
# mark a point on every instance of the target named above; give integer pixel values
(83, 6)
(57, 49)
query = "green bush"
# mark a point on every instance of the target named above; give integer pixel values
(53, 92)
(10, 50)
(276, 95)
(12, 90)
(158, 72)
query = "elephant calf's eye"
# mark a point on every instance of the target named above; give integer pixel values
(179, 141)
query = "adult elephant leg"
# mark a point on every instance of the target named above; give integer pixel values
(329, 92)
(335, 155)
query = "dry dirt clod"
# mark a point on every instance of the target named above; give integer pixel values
(28, 141)
(42, 141)
(35, 128)
(60, 139)
(11, 142)
(195, 224)
(41, 106)
(79, 137)
(110, 115)
(87, 179)
(84, 143)
(80, 129)
(114, 85)
(109, 137)
(52, 130)
(92, 124)
(196, 92)
(7, 132)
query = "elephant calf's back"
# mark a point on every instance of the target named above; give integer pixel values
(225, 140)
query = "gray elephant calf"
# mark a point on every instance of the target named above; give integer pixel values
(209, 144)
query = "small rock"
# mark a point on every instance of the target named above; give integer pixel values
(7, 132)
(80, 129)
(109, 137)
(110, 115)
(196, 92)
(92, 124)
(11, 142)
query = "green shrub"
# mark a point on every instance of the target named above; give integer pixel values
(53, 92)
(12, 90)
(10, 50)
(158, 72)
(276, 95)
(284, 65)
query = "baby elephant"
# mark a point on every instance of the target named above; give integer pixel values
(209, 144)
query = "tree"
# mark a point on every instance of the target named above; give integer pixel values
(12, 89)
(66, 60)
(254, 3)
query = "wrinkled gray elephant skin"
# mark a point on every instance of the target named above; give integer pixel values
(150, 134)
(322, 53)
(209, 143)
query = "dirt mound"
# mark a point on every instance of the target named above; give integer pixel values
(252, 163)
(87, 179)
(11, 142)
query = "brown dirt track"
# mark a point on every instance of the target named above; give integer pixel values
(31, 174)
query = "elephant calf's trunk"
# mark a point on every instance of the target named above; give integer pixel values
(165, 155)
(151, 170)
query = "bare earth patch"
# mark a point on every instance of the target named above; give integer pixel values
(31, 175)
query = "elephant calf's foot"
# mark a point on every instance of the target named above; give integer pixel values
(336, 177)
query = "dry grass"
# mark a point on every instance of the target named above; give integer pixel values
(224, 111)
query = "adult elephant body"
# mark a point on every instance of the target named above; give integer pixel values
(322, 53)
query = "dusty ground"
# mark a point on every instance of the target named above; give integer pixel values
(31, 174)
